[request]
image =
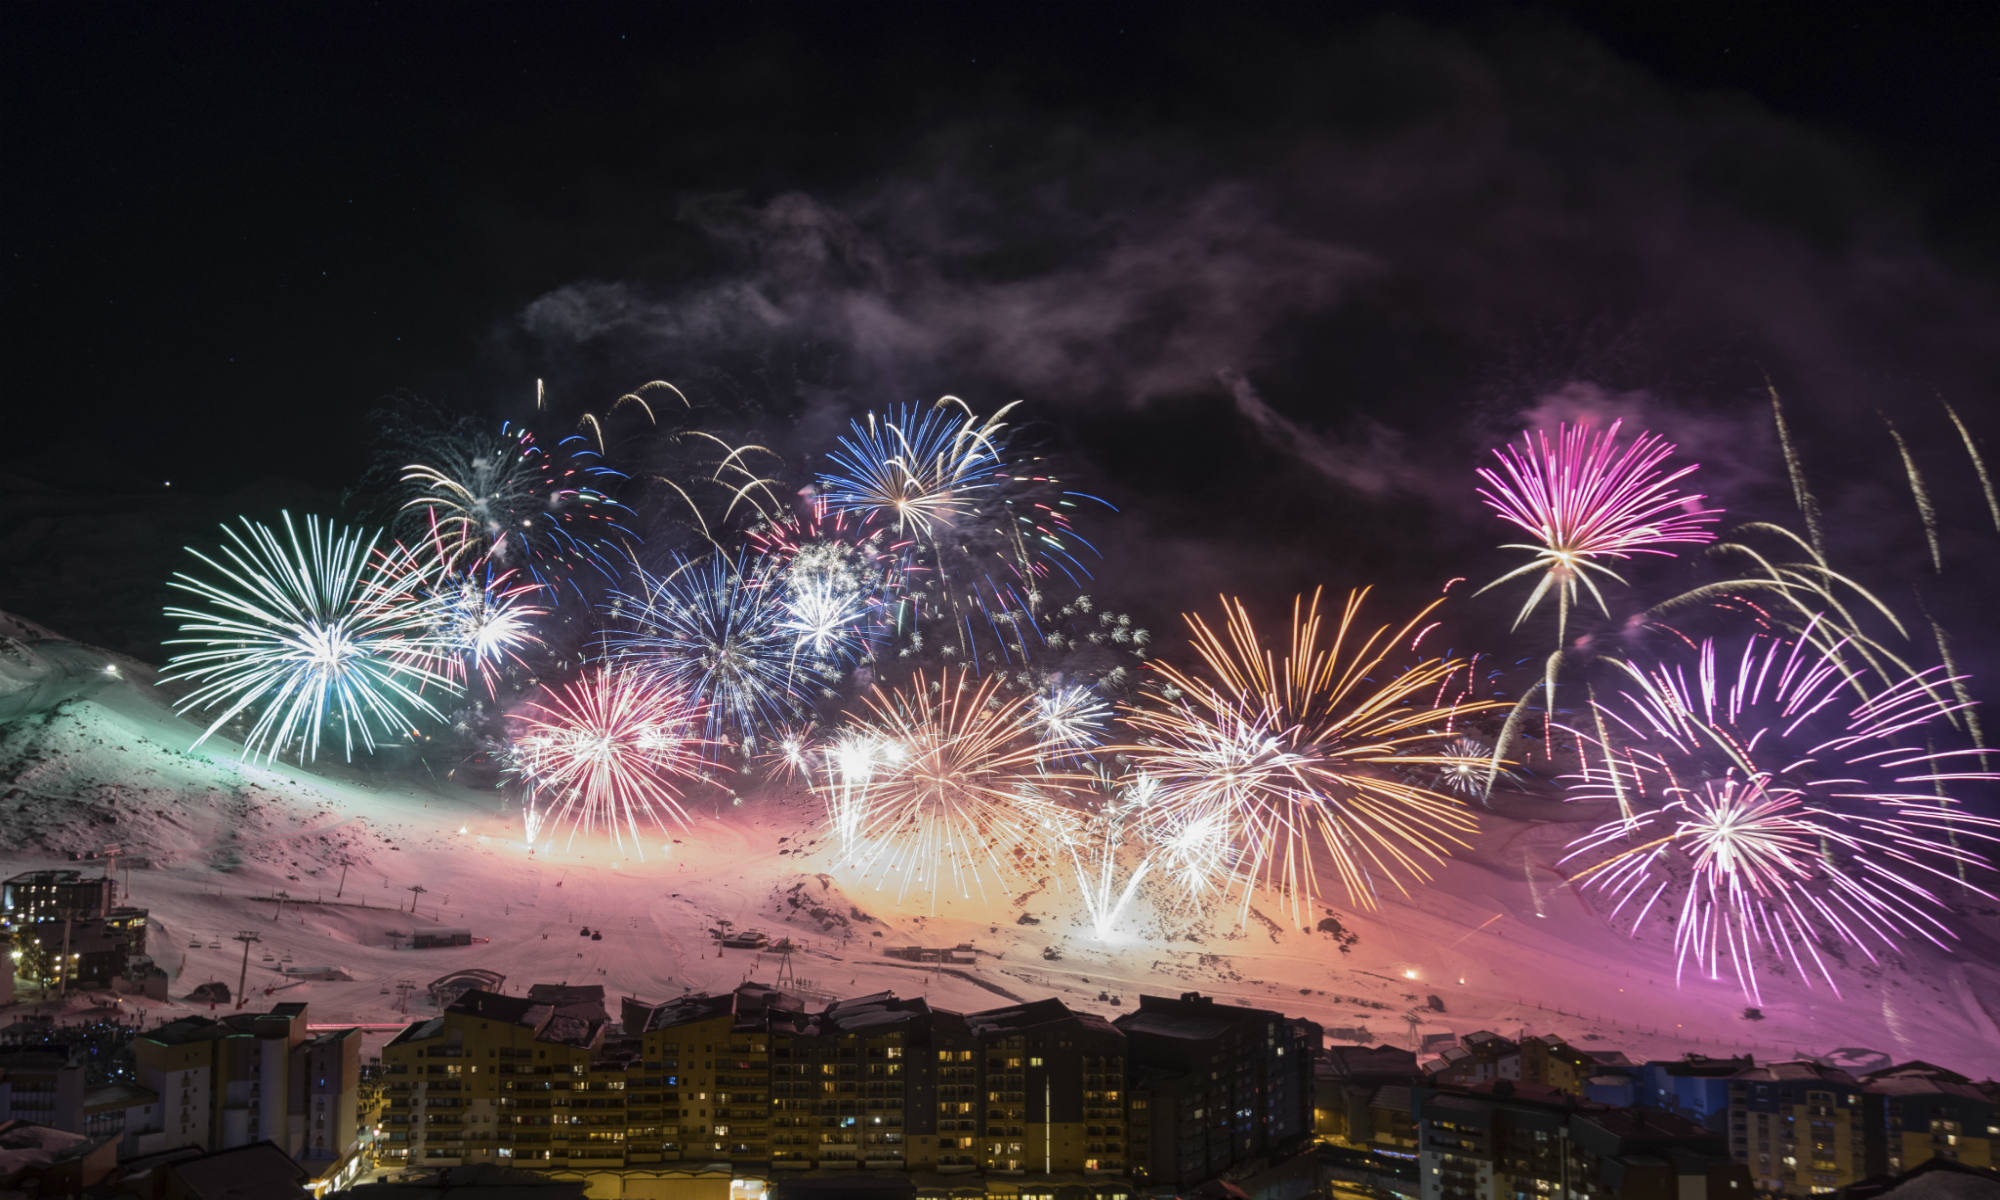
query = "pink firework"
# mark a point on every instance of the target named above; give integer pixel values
(1781, 806)
(1583, 498)
(608, 752)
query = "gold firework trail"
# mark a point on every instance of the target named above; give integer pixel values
(1801, 494)
(1919, 493)
(1978, 464)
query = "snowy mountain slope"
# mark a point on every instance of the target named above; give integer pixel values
(1499, 937)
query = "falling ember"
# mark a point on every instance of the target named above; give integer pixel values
(1795, 470)
(1978, 464)
(1926, 512)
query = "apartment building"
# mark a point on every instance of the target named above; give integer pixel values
(1027, 1100)
(36, 896)
(1695, 1086)
(491, 1079)
(1929, 1112)
(43, 1084)
(875, 1082)
(1055, 1084)
(1511, 1140)
(1805, 1129)
(1220, 1086)
(1361, 1098)
(246, 1078)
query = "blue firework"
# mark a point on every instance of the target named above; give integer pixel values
(718, 631)
(305, 628)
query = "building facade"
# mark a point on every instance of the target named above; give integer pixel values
(1805, 1129)
(1507, 1141)
(1026, 1101)
(1929, 1112)
(1220, 1086)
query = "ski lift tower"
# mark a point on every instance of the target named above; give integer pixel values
(243, 976)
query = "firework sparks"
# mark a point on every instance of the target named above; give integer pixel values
(980, 527)
(920, 469)
(1297, 750)
(943, 784)
(1071, 718)
(479, 619)
(503, 498)
(306, 630)
(1792, 811)
(1978, 465)
(607, 754)
(1584, 498)
(1469, 769)
(1101, 859)
(719, 631)
(1926, 512)
(1795, 470)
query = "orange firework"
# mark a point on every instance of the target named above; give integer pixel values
(944, 783)
(1302, 752)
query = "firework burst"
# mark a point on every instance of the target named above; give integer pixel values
(505, 499)
(1297, 752)
(609, 753)
(1584, 498)
(719, 631)
(918, 469)
(979, 526)
(1071, 718)
(836, 570)
(479, 619)
(1791, 803)
(305, 630)
(1468, 769)
(943, 784)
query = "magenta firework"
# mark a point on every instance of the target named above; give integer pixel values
(1583, 497)
(608, 753)
(1776, 801)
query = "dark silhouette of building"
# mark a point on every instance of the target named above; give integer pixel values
(1218, 1086)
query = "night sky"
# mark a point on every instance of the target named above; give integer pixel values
(1272, 285)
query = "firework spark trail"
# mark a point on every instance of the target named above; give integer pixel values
(1919, 493)
(1098, 855)
(1297, 750)
(956, 787)
(718, 631)
(608, 754)
(1584, 498)
(306, 631)
(1789, 813)
(1978, 464)
(1795, 469)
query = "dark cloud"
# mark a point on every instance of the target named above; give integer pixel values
(1436, 242)
(1151, 301)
